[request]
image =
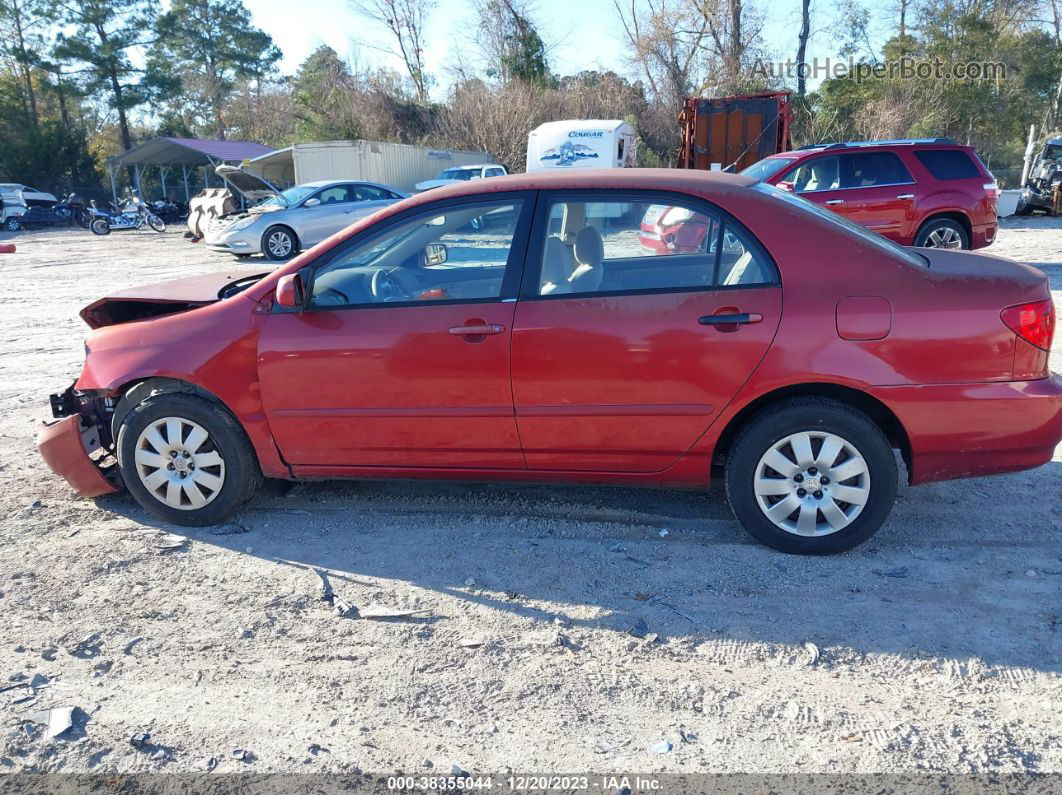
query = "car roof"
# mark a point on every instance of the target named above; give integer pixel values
(921, 143)
(646, 179)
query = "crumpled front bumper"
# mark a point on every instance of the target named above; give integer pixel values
(65, 446)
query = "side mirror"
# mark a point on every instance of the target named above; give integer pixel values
(435, 254)
(290, 293)
(311, 202)
(786, 186)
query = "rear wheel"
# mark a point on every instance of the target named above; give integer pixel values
(811, 476)
(12, 224)
(100, 226)
(186, 459)
(942, 233)
(279, 243)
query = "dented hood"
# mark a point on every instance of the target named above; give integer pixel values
(166, 298)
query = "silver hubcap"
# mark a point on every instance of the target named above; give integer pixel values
(279, 244)
(812, 483)
(179, 464)
(944, 237)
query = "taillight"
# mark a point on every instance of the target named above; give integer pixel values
(1033, 322)
(991, 189)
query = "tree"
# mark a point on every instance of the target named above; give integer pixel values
(102, 35)
(213, 44)
(406, 20)
(21, 27)
(510, 42)
(320, 91)
(802, 47)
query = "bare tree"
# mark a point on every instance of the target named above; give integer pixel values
(406, 21)
(666, 39)
(802, 47)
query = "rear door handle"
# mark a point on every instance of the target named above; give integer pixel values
(905, 196)
(730, 320)
(835, 201)
(482, 330)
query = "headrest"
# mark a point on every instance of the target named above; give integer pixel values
(588, 248)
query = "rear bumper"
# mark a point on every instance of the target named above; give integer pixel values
(64, 446)
(967, 430)
(983, 235)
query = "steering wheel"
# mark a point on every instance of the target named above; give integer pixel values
(386, 285)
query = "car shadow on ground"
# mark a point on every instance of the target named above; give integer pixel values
(951, 575)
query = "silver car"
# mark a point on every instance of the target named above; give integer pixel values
(279, 224)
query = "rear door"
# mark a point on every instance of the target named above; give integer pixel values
(625, 351)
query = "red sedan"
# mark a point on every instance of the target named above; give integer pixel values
(516, 328)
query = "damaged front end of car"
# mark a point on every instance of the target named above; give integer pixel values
(77, 443)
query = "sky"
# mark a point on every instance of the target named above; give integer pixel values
(586, 34)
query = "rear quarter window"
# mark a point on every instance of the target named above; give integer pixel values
(948, 163)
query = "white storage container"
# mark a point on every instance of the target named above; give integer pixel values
(398, 165)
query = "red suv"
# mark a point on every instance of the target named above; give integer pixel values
(932, 193)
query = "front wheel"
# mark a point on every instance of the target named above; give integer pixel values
(12, 224)
(186, 459)
(156, 223)
(100, 226)
(278, 243)
(811, 476)
(942, 233)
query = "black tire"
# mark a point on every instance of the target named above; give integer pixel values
(156, 223)
(82, 218)
(943, 227)
(12, 224)
(100, 226)
(815, 415)
(1023, 208)
(277, 252)
(242, 474)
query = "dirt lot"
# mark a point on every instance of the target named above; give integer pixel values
(936, 646)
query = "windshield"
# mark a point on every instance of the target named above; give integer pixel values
(458, 173)
(865, 234)
(767, 168)
(289, 197)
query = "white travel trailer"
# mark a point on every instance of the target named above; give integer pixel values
(581, 143)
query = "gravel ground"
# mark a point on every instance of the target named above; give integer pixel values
(936, 646)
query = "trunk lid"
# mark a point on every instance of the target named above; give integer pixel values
(166, 298)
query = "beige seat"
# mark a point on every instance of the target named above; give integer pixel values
(571, 261)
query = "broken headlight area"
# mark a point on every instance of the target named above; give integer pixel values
(95, 411)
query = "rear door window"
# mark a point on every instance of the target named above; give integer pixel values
(870, 169)
(632, 244)
(947, 163)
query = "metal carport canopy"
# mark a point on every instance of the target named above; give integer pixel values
(183, 152)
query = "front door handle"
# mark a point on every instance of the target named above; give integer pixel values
(477, 330)
(734, 319)
(905, 196)
(835, 201)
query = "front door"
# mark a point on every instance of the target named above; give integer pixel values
(401, 356)
(640, 318)
(879, 192)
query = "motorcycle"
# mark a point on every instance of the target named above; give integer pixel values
(72, 208)
(168, 211)
(132, 215)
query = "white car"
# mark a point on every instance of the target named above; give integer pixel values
(279, 224)
(32, 196)
(462, 174)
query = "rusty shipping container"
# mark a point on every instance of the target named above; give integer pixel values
(734, 132)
